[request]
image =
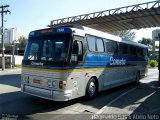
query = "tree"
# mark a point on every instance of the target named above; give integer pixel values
(126, 34)
(147, 41)
(7, 46)
(22, 42)
(151, 44)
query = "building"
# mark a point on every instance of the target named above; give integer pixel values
(155, 37)
(11, 34)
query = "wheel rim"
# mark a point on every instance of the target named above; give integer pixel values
(92, 88)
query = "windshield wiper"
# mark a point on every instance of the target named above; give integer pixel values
(33, 55)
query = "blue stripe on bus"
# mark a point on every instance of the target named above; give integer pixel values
(100, 61)
(104, 60)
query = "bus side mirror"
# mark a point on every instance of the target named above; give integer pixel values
(75, 48)
(74, 55)
(77, 51)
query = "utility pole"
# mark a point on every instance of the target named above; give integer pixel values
(3, 9)
(159, 57)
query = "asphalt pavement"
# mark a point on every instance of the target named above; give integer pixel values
(140, 102)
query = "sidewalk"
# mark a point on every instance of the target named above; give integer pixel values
(15, 70)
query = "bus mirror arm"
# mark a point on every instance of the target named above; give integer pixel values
(74, 58)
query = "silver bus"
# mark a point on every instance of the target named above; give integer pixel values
(68, 62)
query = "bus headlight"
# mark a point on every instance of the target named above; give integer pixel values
(54, 83)
(51, 83)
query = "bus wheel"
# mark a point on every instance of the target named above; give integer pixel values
(91, 88)
(137, 77)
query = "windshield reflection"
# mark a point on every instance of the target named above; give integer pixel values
(48, 48)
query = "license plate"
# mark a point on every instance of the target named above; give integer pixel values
(36, 81)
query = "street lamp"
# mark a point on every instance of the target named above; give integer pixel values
(16, 42)
(156, 37)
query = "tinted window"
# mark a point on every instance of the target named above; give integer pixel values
(132, 50)
(111, 46)
(100, 45)
(124, 49)
(145, 52)
(91, 43)
(48, 48)
(139, 51)
(53, 50)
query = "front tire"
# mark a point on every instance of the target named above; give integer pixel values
(91, 90)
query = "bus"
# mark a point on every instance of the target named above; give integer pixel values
(67, 62)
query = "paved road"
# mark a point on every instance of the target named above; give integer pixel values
(128, 99)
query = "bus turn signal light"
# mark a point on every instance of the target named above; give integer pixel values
(62, 84)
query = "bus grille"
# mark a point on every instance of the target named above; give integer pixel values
(38, 92)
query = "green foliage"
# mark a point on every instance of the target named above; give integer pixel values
(18, 66)
(126, 34)
(147, 41)
(151, 44)
(153, 63)
(22, 42)
(7, 46)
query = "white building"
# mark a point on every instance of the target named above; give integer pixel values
(11, 34)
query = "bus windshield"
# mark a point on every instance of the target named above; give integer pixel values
(48, 48)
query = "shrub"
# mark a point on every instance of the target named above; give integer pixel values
(17, 65)
(153, 63)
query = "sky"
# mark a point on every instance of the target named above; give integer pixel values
(29, 15)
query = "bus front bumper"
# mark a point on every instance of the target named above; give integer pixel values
(47, 94)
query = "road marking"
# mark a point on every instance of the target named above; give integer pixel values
(106, 106)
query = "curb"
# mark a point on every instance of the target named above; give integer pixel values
(10, 70)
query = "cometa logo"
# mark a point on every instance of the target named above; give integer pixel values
(117, 61)
(35, 63)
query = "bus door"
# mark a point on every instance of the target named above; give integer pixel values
(77, 60)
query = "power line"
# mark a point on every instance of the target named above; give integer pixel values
(3, 9)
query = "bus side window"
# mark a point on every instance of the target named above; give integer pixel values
(133, 50)
(100, 45)
(145, 54)
(124, 49)
(139, 52)
(111, 47)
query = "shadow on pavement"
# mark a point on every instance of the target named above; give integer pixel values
(11, 80)
(151, 105)
(22, 104)
(142, 91)
(19, 103)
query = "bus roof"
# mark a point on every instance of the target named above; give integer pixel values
(82, 31)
